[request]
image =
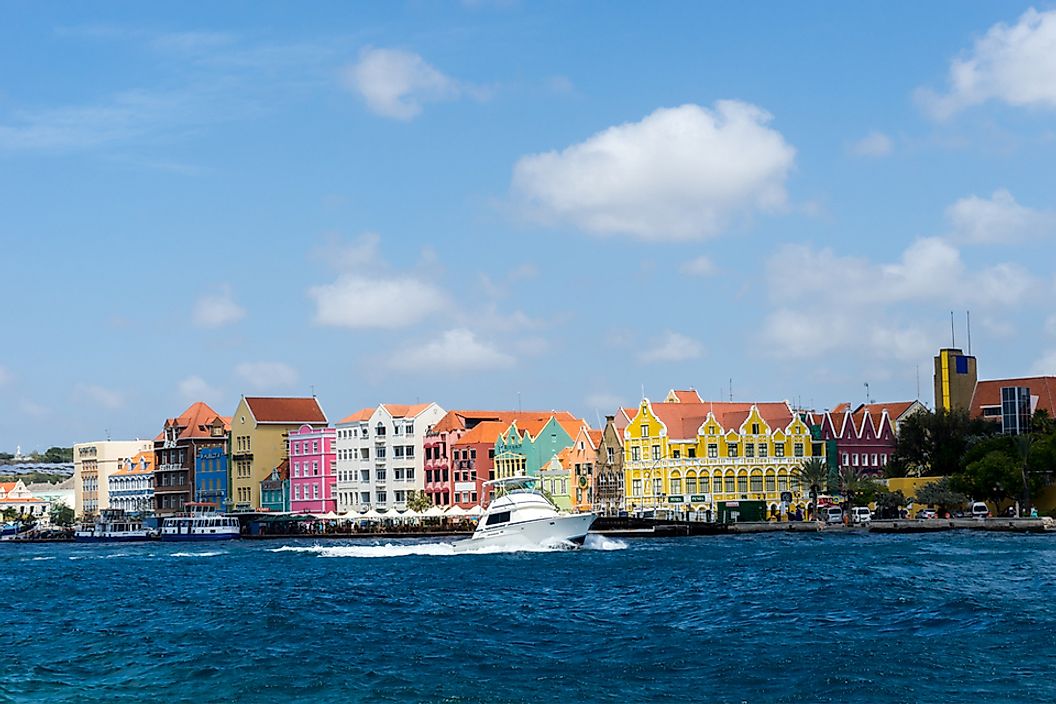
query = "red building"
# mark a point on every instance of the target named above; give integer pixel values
(865, 437)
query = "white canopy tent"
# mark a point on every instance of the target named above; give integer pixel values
(434, 512)
(474, 511)
(455, 511)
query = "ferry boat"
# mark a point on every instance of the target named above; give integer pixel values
(8, 531)
(113, 526)
(521, 515)
(200, 522)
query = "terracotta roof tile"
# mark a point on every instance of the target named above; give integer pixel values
(358, 416)
(988, 393)
(286, 410)
(486, 432)
(397, 410)
(686, 395)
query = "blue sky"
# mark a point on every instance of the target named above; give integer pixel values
(480, 202)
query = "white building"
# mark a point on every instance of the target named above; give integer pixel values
(131, 487)
(15, 496)
(93, 463)
(61, 493)
(379, 455)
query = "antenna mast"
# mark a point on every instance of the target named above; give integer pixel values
(968, 321)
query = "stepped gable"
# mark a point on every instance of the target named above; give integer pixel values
(272, 409)
(988, 393)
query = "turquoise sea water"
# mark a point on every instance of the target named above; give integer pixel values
(864, 618)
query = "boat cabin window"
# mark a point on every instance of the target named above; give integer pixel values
(500, 517)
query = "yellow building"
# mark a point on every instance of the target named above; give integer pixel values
(259, 431)
(690, 456)
(93, 463)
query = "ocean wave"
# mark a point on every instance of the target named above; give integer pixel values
(36, 559)
(427, 549)
(600, 542)
(197, 554)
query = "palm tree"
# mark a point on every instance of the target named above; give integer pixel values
(814, 474)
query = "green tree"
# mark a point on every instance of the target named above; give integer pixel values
(418, 501)
(57, 455)
(934, 444)
(814, 475)
(940, 494)
(9, 514)
(61, 514)
(888, 503)
(996, 477)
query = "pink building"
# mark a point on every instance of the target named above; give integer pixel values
(313, 470)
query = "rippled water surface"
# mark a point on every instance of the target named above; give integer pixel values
(958, 616)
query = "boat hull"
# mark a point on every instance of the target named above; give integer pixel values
(550, 530)
(196, 537)
(132, 538)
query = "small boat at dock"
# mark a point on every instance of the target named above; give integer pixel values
(113, 525)
(200, 522)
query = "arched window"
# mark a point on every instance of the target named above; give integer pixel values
(742, 482)
(728, 482)
(771, 481)
(691, 482)
(757, 480)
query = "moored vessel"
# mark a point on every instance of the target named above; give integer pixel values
(522, 516)
(199, 522)
(113, 525)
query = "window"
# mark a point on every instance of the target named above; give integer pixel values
(770, 482)
(296, 469)
(691, 485)
(757, 482)
(763, 449)
(315, 491)
(797, 449)
(742, 484)
(365, 453)
(409, 452)
(713, 450)
(875, 464)
(315, 469)
(676, 453)
(854, 459)
(397, 452)
(499, 517)
(656, 452)
(676, 486)
(755, 428)
(749, 449)
(732, 449)
(691, 452)
(636, 487)
(658, 487)
(728, 483)
(883, 460)
(779, 450)
(610, 453)
(846, 461)
(645, 430)
(636, 453)
(315, 447)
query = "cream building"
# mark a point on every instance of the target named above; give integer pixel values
(93, 463)
(379, 455)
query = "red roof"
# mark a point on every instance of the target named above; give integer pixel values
(397, 410)
(894, 410)
(460, 420)
(486, 432)
(362, 415)
(195, 422)
(684, 419)
(286, 410)
(988, 393)
(686, 396)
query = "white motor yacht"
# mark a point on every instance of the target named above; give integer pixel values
(520, 515)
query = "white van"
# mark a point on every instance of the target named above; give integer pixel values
(833, 514)
(861, 514)
(979, 510)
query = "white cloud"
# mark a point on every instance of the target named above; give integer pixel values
(606, 403)
(996, 220)
(1012, 64)
(457, 350)
(673, 347)
(698, 266)
(364, 302)
(395, 83)
(102, 396)
(680, 173)
(873, 144)
(929, 269)
(365, 295)
(267, 375)
(874, 309)
(215, 310)
(195, 388)
(1046, 364)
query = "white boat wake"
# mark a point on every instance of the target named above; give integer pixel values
(593, 542)
(196, 554)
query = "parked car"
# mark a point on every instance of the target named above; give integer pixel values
(979, 510)
(833, 514)
(927, 513)
(861, 514)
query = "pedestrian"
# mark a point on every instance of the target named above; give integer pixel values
(1033, 511)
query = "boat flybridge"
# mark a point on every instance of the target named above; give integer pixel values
(521, 515)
